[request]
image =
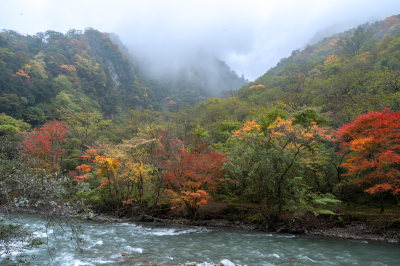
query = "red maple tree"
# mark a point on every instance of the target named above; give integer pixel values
(190, 175)
(45, 145)
(372, 141)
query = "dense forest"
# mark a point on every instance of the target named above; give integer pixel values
(317, 134)
(341, 77)
(50, 75)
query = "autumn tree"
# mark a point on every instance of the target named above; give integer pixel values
(268, 164)
(45, 145)
(103, 171)
(136, 171)
(372, 142)
(190, 175)
(119, 174)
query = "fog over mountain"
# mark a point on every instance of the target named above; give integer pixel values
(250, 36)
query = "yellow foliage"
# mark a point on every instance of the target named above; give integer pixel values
(107, 167)
(258, 86)
(135, 171)
(281, 128)
(362, 145)
(332, 59)
(248, 127)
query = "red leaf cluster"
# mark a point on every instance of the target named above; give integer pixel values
(44, 145)
(372, 142)
(68, 67)
(190, 174)
(22, 73)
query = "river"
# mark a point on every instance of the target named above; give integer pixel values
(144, 244)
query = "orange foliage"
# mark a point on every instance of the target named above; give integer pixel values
(68, 67)
(379, 188)
(91, 152)
(90, 155)
(258, 86)
(22, 73)
(372, 141)
(128, 201)
(84, 168)
(310, 134)
(332, 59)
(86, 157)
(248, 127)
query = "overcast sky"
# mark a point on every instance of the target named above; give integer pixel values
(251, 36)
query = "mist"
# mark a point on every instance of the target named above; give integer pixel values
(250, 36)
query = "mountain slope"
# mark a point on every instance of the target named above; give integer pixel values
(196, 79)
(188, 80)
(45, 74)
(50, 74)
(342, 76)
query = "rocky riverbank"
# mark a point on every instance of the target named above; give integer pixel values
(359, 231)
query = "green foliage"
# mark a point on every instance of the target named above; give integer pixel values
(35, 242)
(354, 42)
(266, 117)
(216, 116)
(307, 116)
(325, 204)
(200, 133)
(257, 170)
(11, 126)
(34, 115)
(59, 73)
(91, 199)
(225, 130)
(341, 76)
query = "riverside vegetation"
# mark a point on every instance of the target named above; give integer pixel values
(314, 142)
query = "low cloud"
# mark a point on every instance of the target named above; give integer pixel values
(251, 36)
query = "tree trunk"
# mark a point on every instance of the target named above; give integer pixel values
(281, 179)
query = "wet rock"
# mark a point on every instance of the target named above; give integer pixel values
(146, 218)
(124, 253)
(190, 263)
(226, 262)
(205, 264)
(248, 227)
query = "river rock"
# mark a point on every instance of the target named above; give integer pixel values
(146, 218)
(190, 263)
(226, 262)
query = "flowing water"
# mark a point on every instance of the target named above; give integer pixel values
(144, 244)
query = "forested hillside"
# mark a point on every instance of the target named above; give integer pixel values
(342, 76)
(52, 75)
